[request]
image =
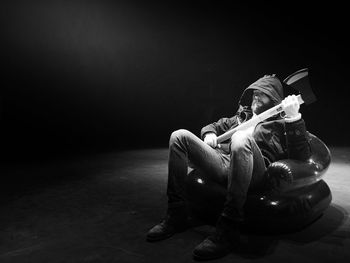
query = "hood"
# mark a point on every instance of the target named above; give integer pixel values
(269, 84)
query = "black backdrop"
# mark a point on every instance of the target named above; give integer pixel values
(81, 76)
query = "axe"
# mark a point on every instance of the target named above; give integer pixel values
(298, 81)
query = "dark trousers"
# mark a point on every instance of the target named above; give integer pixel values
(243, 168)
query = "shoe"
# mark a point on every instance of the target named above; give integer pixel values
(221, 243)
(174, 222)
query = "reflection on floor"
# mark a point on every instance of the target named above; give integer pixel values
(98, 209)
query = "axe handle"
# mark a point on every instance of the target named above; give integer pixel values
(255, 120)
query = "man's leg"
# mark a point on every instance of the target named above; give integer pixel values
(184, 146)
(247, 168)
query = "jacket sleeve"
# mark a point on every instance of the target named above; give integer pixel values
(220, 127)
(298, 146)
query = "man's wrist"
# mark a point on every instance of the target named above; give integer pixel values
(293, 118)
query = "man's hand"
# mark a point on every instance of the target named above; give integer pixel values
(291, 107)
(211, 139)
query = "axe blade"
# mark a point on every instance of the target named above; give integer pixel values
(299, 80)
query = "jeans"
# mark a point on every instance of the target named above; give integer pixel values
(243, 168)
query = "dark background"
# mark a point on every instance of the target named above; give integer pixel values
(91, 76)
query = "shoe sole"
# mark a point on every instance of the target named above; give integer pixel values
(155, 239)
(201, 258)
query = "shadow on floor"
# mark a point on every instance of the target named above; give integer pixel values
(258, 244)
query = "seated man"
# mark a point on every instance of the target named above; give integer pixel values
(240, 162)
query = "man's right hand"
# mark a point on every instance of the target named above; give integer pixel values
(211, 139)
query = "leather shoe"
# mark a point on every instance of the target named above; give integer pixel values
(219, 244)
(174, 222)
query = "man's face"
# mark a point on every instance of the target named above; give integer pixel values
(260, 102)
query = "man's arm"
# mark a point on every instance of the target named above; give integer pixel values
(297, 135)
(210, 132)
(219, 127)
(297, 140)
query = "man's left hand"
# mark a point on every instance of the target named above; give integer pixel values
(291, 107)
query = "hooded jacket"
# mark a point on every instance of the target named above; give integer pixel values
(276, 138)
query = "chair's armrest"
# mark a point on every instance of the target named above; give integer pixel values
(288, 174)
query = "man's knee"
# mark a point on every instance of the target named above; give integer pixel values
(178, 135)
(240, 140)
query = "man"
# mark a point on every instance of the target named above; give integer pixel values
(240, 162)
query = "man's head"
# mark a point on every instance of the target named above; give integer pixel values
(260, 102)
(267, 92)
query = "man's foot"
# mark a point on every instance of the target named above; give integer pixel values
(220, 243)
(211, 248)
(175, 221)
(165, 229)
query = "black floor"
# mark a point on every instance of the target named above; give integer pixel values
(98, 208)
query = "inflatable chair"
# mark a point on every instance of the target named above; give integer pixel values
(295, 196)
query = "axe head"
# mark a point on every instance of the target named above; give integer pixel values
(299, 81)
